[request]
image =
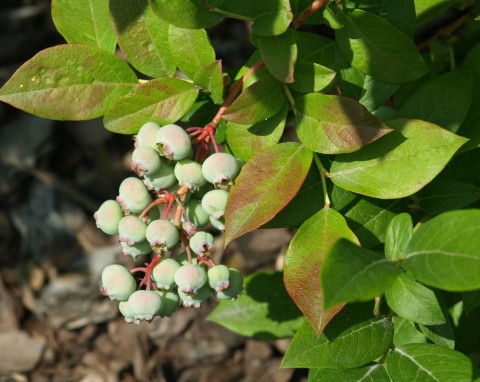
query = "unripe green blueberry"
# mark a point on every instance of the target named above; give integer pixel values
(235, 286)
(162, 179)
(145, 161)
(146, 135)
(196, 214)
(108, 216)
(214, 203)
(164, 273)
(189, 174)
(220, 168)
(218, 223)
(218, 277)
(145, 304)
(183, 259)
(162, 235)
(127, 313)
(136, 250)
(190, 278)
(131, 230)
(117, 282)
(173, 142)
(201, 243)
(170, 301)
(195, 300)
(133, 195)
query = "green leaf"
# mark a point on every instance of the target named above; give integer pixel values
(471, 300)
(315, 48)
(304, 261)
(398, 235)
(246, 141)
(444, 252)
(352, 273)
(242, 10)
(190, 48)
(369, 171)
(413, 301)
(311, 77)
(142, 37)
(279, 53)
(210, 77)
(375, 47)
(369, 219)
(267, 182)
(265, 303)
(444, 100)
(331, 124)
(352, 339)
(376, 93)
(194, 14)
(164, 100)
(373, 373)
(308, 201)
(68, 82)
(84, 22)
(258, 102)
(272, 17)
(427, 362)
(406, 333)
(428, 9)
(445, 194)
(441, 335)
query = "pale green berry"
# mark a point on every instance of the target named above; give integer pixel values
(173, 142)
(127, 313)
(140, 249)
(145, 161)
(214, 203)
(108, 216)
(170, 301)
(190, 278)
(196, 214)
(133, 195)
(220, 168)
(164, 273)
(146, 135)
(189, 174)
(117, 282)
(201, 243)
(235, 286)
(162, 235)
(218, 277)
(195, 300)
(218, 223)
(145, 304)
(163, 179)
(131, 230)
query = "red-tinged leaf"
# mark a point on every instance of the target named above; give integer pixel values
(304, 260)
(265, 185)
(69, 82)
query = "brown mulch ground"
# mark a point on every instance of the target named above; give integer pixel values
(54, 324)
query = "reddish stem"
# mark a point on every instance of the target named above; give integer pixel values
(147, 270)
(308, 12)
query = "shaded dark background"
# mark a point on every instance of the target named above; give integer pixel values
(54, 324)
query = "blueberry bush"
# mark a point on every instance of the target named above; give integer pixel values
(354, 122)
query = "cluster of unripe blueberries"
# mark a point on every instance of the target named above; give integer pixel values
(181, 270)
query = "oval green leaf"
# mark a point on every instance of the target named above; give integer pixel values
(374, 373)
(193, 14)
(210, 78)
(84, 22)
(352, 273)
(399, 164)
(142, 37)
(311, 77)
(414, 302)
(444, 252)
(272, 17)
(304, 261)
(279, 53)
(428, 363)
(164, 100)
(263, 311)
(69, 82)
(375, 47)
(331, 124)
(398, 235)
(267, 182)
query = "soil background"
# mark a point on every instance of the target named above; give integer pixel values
(54, 323)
